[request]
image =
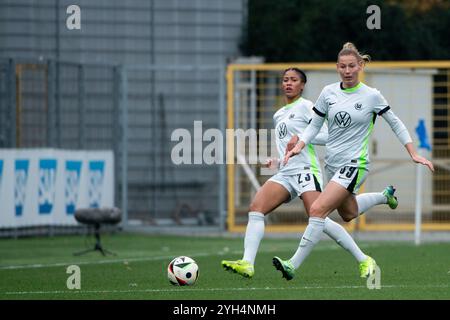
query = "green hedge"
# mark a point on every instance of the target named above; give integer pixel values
(315, 30)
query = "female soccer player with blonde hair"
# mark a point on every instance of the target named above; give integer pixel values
(301, 177)
(351, 108)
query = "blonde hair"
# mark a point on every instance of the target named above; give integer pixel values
(350, 49)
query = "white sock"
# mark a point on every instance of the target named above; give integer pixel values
(368, 200)
(253, 235)
(310, 237)
(341, 236)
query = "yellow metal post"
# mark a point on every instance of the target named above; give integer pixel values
(230, 148)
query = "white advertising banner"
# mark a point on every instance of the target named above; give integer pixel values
(46, 186)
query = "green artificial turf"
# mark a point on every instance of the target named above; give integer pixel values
(35, 268)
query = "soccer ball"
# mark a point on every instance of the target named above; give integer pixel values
(182, 271)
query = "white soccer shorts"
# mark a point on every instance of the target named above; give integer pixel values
(351, 177)
(299, 183)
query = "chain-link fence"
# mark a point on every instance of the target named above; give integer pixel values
(132, 110)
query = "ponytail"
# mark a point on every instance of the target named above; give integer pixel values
(350, 49)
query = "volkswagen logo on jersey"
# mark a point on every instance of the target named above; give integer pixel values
(282, 130)
(96, 173)
(342, 119)
(47, 179)
(358, 106)
(20, 185)
(73, 169)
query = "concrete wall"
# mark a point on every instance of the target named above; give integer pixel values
(140, 32)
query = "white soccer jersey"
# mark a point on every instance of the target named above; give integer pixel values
(351, 115)
(290, 120)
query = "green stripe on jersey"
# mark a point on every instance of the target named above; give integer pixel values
(313, 160)
(362, 161)
(349, 90)
(290, 105)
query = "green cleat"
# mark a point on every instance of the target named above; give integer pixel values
(367, 267)
(242, 267)
(286, 268)
(392, 201)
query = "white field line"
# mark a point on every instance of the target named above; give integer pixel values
(190, 289)
(157, 258)
(112, 261)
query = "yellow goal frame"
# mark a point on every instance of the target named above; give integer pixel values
(360, 223)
